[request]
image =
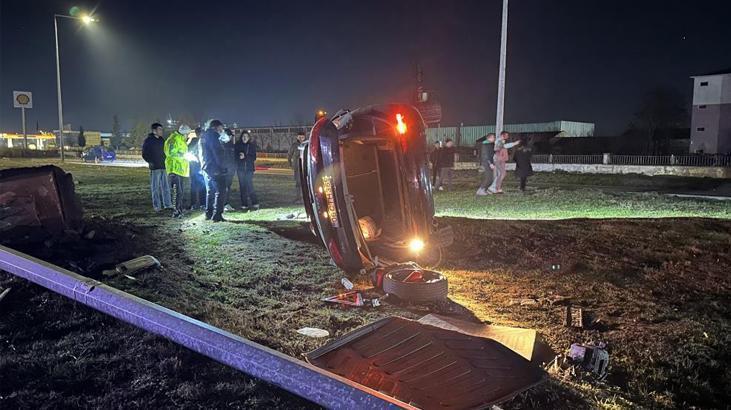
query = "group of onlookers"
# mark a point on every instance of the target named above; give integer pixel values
(493, 156)
(210, 159)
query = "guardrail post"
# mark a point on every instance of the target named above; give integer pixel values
(607, 158)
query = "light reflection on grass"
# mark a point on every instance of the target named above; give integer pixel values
(554, 203)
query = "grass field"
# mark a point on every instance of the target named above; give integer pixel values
(651, 267)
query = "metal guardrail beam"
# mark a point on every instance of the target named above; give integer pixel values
(295, 376)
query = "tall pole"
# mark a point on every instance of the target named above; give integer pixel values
(501, 77)
(25, 134)
(58, 85)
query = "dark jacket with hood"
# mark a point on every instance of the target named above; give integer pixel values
(212, 153)
(249, 151)
(523, 167)
(153, 151)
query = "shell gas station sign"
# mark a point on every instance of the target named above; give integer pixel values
(22, 99)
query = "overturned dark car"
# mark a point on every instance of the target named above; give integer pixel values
(366, 188)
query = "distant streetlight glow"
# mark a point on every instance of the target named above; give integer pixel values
(87, 19)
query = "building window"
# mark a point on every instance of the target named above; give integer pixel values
(704, 83)
(700, 129)
(702, 107)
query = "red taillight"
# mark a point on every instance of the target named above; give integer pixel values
(401, 127)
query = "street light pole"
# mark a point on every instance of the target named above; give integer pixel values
(86, 19)
(58, 87)
(501, 76)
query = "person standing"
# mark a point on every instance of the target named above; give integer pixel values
(214, 170)
(487, 161)
(434, 160)
(523, 167)
(445, 164)
(176, 165)
(293, 157)
(246, 157)
(197, 186)
(501, 158)
(229, 161)
(153, 152)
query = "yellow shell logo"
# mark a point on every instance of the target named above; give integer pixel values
(22, 99)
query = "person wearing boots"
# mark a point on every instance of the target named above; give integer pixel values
(176, 165)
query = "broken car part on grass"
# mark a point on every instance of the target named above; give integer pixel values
(36, 204)
(427, 366)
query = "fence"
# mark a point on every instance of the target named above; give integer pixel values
(698, 160)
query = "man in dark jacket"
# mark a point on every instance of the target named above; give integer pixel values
(434, 160)
(214, 170)
(153, 152)
(445, 164)
(245, 167)
(523, 167)
(487, 161)
(229, 161)
(197, 185)
(293, 157)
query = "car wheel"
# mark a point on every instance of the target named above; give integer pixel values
(415, 284)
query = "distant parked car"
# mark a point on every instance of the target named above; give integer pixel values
(98, 154)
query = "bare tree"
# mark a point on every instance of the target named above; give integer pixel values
(662, 109)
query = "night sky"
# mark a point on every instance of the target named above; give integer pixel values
(276, 62)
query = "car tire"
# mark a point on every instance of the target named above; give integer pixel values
(434, 290)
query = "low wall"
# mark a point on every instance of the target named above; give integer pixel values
(709, 172)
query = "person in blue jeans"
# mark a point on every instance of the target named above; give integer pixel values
(153, 152)
(246, 156)
(214, 170)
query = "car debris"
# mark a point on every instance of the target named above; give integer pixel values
(352, 298)
(427, 366)
(587, 358)
(346, 283)
(313, 332)
(37, 204)
(413, 284)
(525, 342)
(137, 264)
(574, 317)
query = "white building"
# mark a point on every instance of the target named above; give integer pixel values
(710, 129)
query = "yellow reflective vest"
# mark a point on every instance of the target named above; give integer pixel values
(175, 149)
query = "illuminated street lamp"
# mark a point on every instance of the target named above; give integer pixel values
(86, 19)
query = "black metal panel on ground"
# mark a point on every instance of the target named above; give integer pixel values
(426, 366)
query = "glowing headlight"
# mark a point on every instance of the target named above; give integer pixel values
(190, 157)
(416, 245)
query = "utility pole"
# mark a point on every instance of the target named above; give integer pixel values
(25, 133)
(501, 77)
(58, 89)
